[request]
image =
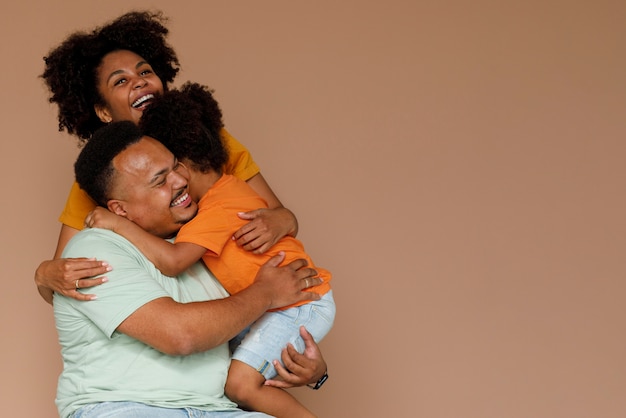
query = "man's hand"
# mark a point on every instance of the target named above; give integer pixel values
(300, 369)
(284, 285)
(66, 275)
(266, 228)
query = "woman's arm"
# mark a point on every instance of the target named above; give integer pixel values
(266, 226)
(170, 258)
(259, 185)
(65, 235)
(62, 275)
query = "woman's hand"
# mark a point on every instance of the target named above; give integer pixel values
(300, 369)
(66, 275)
(265, 228)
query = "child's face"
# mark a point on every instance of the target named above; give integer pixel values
(199, 183)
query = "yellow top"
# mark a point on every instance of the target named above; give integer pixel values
(240, 164)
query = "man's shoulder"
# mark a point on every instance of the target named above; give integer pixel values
(85, 242)
(124, 258)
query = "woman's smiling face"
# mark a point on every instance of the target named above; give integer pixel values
(127, 84)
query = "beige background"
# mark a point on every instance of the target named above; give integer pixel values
(458, 165)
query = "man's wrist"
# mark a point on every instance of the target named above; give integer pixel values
(320, 382)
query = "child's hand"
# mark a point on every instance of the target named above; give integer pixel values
(103, 218)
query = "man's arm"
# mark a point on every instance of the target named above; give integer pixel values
(180, 329)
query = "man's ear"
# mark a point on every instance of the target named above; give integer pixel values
(103, 113)
(117, 207)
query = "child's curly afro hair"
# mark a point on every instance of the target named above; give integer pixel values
(188, 122)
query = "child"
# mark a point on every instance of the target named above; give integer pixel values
(188, 121)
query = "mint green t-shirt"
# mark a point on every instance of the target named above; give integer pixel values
(100, 364)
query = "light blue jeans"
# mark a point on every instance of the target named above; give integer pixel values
(263, 341)
(139, 410)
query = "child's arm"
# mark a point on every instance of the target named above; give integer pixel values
(171, 259)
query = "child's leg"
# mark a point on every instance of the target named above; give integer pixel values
(245, 387)
(251, 360)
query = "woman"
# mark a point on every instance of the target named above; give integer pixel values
(111, 74)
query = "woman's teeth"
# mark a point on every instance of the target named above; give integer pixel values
(141, 100)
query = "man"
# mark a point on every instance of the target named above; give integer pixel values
(151, 345)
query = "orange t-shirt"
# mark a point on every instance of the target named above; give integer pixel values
(240, 164)
(213, 228)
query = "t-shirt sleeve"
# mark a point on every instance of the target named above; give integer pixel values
(131, 284)
(211, 228)
(240, 162)
(77, 207)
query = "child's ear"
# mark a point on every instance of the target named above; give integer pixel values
(103, 113)
(117, 207)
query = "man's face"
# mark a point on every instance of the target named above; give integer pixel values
(150, 188)
(127, 84)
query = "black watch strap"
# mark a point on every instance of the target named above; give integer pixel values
(320, 382)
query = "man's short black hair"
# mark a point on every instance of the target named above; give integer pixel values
(94, 165)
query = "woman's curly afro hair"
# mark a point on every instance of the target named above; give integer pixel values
(188, 122)
(70, 69)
